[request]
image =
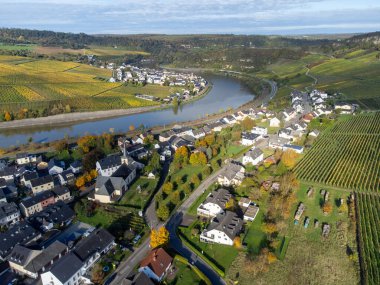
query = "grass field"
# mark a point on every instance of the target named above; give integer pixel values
(347, 155)
(368, 207)
(137, 199)
(27, 82)
(184, 275)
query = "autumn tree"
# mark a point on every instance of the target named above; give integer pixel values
(230, 205)
(181, 155)
(159, 237)
(80, 181)
(289, 158)
(327, 208)
(343, 208)
(131, 127)
(7, 116)
(247, 124)
(163, 212)
(153, 164)
(271, 257)
(269, 228)
(237, 242)
(195, 180)
(176, 197)
(198, 158)
(86, 143)
(60, 145)
(167, 188)
(94, 173)
(97, 274)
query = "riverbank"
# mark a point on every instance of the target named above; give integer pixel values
(76, 117)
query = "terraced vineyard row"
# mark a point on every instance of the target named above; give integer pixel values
(346, 155)
(368, 208)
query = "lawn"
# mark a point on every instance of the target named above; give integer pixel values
(184, 275)
(135, 198)
(255, 238)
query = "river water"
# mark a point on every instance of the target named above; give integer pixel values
(226, 92)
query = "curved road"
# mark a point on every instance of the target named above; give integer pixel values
(128, 266)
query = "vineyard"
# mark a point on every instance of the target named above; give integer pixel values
(347, 155)
(368, 207)
(40, 84)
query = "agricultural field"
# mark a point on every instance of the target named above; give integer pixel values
(346, 155)
(368, 208)
(29, 83)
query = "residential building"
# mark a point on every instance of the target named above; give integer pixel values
(27, 177)
(108, 165)
(31, 263)
(232, 175)
(285, 133)
(25, 158)
(249, 138)
(250, 213)
(138, 279)
(76, 167)
(41, 184)
(244, 202)
(296, 148)
(261, 131)
(37, 203)
(67, 271)
(254, 156)
(61, 193)
(20, 233)
(223, 229)
(277, 142)
(314, 133)
(9, 213)
(215, 203)
(156, 264)
(8, 173)
(55, 166)
(274, 122)
(66, 177)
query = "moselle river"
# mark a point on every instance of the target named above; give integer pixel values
(226, 92)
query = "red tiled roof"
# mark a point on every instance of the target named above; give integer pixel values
(157, 260)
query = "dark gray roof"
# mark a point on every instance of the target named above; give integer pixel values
(227, 222)
(231, 170)
(66, 267)
(2, 194)
(139, 279)
(8, 170)
(249, 136)
(254, 153)
(97, 241)
(46, 256)
(21, 155)
(56, 213)
(53, 162)
(67, 174)
(76, 164)
(21, 233)
(3, 183)
(219, 197)
(7, 209)
(31, 201)
(30, 175)
(107, 185)
(60, 190)
(21, 255)
(110, 161)
(41, 180)
(124, 171)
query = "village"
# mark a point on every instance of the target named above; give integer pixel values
(192, 83)
(42, 240)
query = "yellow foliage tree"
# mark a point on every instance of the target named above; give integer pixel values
(343, 208)
(159, 237)
(289, 158)
(269, 228)
(94, 173)
(237, 242)
(327, 208)
(271, 257)
(230, 205)
(7, 116)
(80, 181)
(88, 177)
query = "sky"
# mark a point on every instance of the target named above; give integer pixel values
(278, 17)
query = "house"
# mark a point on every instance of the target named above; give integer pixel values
(250, 213)
(254, 157)
(21, 170)
(55, 166)
(3, 198)
(37, 203)
(20, 233)
(288, 114)
(31, 263)
(61, 193)
(25, 158)
(296, 148)
(199, 133)
(91, 248)
(41, 184)
(232, 175)
(214, 204)
(9, 213)
(249, 138)
(138, 279)
(156, 264)
(27, 177)
(108, 165)
(135, 150)
(277, 142)
(217, 126)
(308, 117)
(67, 270)
(137, 140)
(274, 122)
(58, 214)
(229, 120)
(109, 189)
(66, 177)
(223, 229)
(343, 107)
(285, 133)
(76, 167)
(314, 133)
(244, 202)
(8, 173)
(9, 192)
(260, 131)
(165, 136)
(127, 172)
